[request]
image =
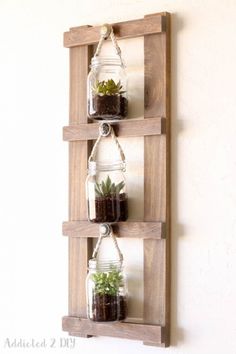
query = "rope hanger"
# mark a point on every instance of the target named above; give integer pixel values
(106, 31)
(105, 230)
(105, 129)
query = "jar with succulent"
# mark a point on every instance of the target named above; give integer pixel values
(106, 85)
(106, 292)
(106, 284)
(107, 197)
(107, 89)
(105, 184)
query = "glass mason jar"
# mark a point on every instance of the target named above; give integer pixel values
(106, 192)
(106, 291)
(107, 89)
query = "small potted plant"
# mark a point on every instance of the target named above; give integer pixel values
(107, 302)
(108, 100)
(111, 202)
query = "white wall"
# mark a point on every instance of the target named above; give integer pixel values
(33, 188)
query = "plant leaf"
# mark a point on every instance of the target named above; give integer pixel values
(108, 184)
(103, 187)
(108, 87)
(119, 187)
(98, 190)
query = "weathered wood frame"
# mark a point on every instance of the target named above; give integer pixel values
(155, 228)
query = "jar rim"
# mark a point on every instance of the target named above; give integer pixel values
(106, 60)
(112, 166)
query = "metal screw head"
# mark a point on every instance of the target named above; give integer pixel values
(105, 129)
(105, 30)
(104, 230)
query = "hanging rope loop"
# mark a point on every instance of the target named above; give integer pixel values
(105, 230)
(106, 31)
(105, 129)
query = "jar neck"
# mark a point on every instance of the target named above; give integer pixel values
(97, 166)
(106, 61)
(105, 265)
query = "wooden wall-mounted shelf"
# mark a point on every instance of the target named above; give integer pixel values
(128, 330)
(126, 128)
(88, 35)
(131, 229)
(154, 126)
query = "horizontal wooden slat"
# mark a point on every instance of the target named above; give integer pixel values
(133, 229)
(125, 128)
(84, 35)
(136, 331)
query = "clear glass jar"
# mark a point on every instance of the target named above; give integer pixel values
(107, 89)
(106, 291)
(106, 192)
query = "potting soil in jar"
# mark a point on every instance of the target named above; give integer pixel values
(109, 308)
(111, 208)
(109, 107)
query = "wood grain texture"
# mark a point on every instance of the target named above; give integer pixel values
(126, 330)
(88, 35)
(79, 249)
(126, 128)
(133, 229)
(156, 180)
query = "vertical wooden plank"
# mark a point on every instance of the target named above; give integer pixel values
(79, 249)
(157, 180)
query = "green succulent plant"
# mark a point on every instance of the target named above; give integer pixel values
(107, 283)
(108, 87)
(107, 188)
